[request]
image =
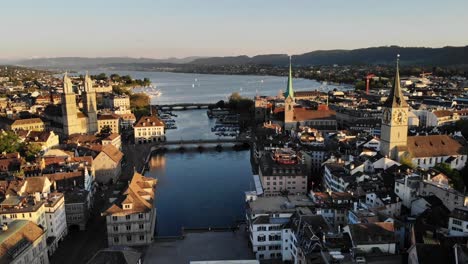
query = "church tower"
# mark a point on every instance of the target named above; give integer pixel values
(394, 131)
(89, 104)
(69, 109)
(289, 99)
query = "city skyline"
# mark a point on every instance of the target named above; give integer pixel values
(180, 29)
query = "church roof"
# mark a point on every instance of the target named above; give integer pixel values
(395, 99)
(289, 91)
(433, 146)
(304, 114)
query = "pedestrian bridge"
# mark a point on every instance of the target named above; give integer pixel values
(199, 143)
(183, 106)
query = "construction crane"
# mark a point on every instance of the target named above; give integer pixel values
(368, 77)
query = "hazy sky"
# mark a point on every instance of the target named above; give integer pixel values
(160, 29)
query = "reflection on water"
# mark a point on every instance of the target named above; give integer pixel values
(210, 88)
(198, 189)
(157, 163)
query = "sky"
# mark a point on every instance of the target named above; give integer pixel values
(176, 28)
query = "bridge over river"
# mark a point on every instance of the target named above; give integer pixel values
(183, 106)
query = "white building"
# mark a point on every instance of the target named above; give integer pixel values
(23, 242)
(366, 237)
(458, 222)
(34, 202)
(149, 129)
(265, 217)
(335, 178)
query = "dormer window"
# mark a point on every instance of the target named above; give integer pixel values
(127, 206)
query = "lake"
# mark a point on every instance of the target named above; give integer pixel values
(210, 88)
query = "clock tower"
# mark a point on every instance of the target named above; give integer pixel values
(394, 130)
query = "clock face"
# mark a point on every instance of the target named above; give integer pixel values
(386, 116)
(400, 117)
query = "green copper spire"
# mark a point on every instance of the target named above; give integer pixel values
(289, 92)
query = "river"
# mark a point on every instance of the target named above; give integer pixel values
(204, 189)
(198, 189)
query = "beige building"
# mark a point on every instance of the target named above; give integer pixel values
(117, 101)
(149, 129)
(107, 164)
(74, 121)
(31, 200)
(109, 120)
(23, 242)
(127, 120)
(113, 139)
(424, 151)
(394, 130)
(131, 218)
(295, 115)
(30, 124)
(46, 139)
(282, 172)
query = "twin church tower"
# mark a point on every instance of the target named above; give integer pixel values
(74, 120)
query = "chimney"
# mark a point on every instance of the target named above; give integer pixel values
(37, 196)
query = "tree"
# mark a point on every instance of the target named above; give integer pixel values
(106, 130)
(30, 151)
(455, 178)
(406, 159)
(9, 142)
(360, 85)
(139, 100)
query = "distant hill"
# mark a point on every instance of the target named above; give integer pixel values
(446, 56)
(83, 62)
(379, 55)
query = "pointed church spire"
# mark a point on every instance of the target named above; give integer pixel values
(395, 98)
(289, 92)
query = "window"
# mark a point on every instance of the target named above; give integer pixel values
(261, 228)
(457, 222)
(140, 216)
(261, 248)
(116, 228)
(261, 238)
(129, 227)
(141, 226)
(129, 238)
(127, 217)
(116, 239)
(142, 237)
(114, 218)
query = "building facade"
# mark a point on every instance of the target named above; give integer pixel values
(149, 129)
(131, 218)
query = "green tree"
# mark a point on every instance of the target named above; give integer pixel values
(106, 130)
(30, 151)
(360, 85)
(455, 178)
(406, 159)
(9, 142)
